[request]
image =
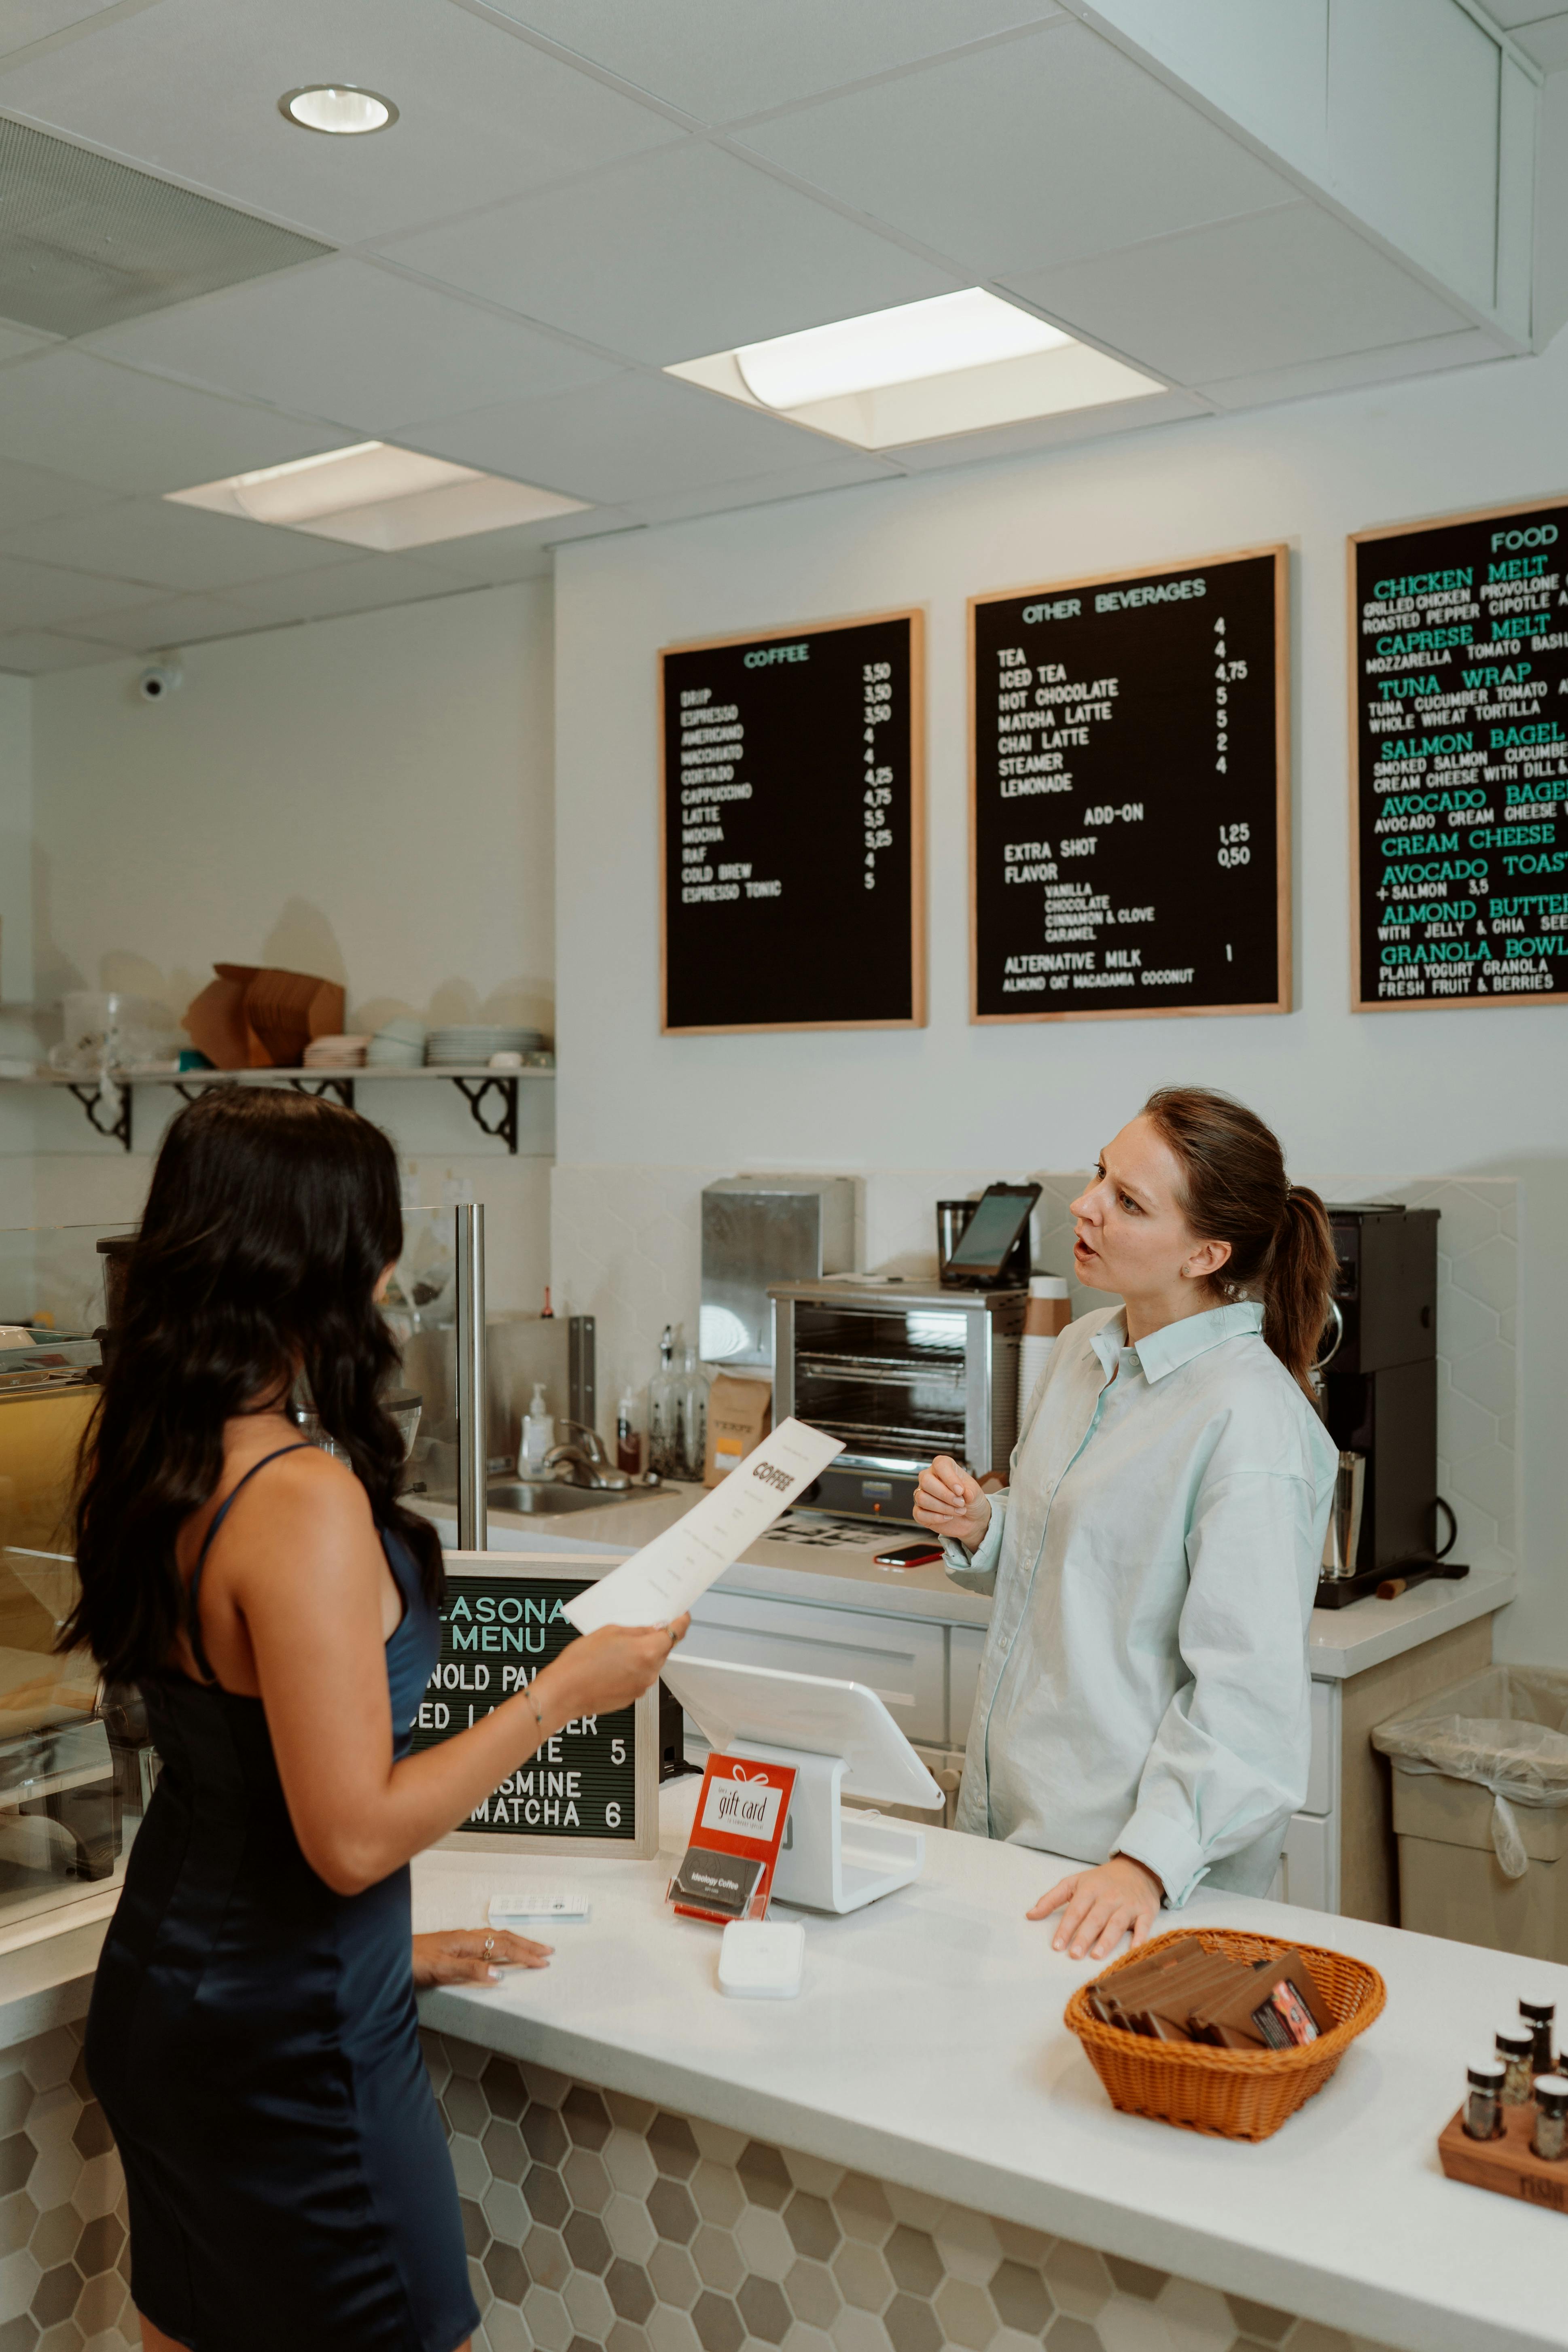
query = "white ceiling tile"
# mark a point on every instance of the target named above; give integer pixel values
(488, 558)
(1244, 295)
(174, 621)
(828, 472)
(1470, 348)
(192, 90)
(674, 255)
(73, 414)
(348, 340)
(1514, 15)
(723, 59)
(167, 546)
(1039, 151)
(19, 343)
(1545, 42)
(359, 587)
(26, 21)
(31, 653)
(639, 437)
(1050, 432)
(27, 494)
(36, 596)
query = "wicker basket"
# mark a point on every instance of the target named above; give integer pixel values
(1233, 2094)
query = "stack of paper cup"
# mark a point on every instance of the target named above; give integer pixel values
(1046, 1316)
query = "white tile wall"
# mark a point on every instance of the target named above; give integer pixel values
(625, 1247)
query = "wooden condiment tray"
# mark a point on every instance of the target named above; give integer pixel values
(1508, 2165)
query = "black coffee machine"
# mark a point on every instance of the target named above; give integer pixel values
(1378, 1374)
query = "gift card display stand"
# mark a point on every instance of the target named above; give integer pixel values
(840, 1740)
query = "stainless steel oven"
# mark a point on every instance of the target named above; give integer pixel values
(900, 1370)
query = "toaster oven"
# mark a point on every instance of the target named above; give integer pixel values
(899, 1372)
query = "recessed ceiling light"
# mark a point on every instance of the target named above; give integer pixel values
(374, 495)
(919, 339)
(339, 108)
(920, 371)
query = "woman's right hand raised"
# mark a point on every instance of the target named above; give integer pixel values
(603, 1670)
(951, 1503)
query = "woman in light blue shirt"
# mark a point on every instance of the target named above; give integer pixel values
(1142, 1703)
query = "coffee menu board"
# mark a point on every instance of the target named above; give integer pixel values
(595, 1785)
(1129, 826)
(1459, 760)
(793, 863)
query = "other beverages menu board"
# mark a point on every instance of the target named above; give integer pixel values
(497, 1632)
(793, 810)
(1459, 815)
(1130, 794)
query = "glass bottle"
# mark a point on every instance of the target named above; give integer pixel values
(664, 1432)
(694, 1387)
(1539, 2017)
(1549, 2137)
(1515, 2046)
(1483, 2107)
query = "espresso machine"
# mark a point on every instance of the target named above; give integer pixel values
(1377, 1376)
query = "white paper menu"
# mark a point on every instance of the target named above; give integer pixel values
(668, 1574)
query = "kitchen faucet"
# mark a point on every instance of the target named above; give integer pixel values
(585, 1464)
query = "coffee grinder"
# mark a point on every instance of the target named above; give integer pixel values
(1377, 1374)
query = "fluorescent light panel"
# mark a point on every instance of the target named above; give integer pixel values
(374, 495)
(917, 373)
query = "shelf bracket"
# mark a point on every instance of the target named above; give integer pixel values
(91, 1100)
(342, 1087)
(476, 1092)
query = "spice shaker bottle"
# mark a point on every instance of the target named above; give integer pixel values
(1483, 2109)
(1538, 2016)
(1515, 2046)
(1549, 2137)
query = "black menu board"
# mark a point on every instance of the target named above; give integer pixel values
(1130, 795)
(1459, 760)
(793, 859)
(595, 1783)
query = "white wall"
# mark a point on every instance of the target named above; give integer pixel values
(15, 887)
(369, 798)
(1402, 1093)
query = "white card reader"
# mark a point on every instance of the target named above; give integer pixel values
(521, 1905)
(761, 1959)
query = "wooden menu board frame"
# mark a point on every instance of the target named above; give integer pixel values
(917, 1016)
(1360, 1002)
(1045, 591)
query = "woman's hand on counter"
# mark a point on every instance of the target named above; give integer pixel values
(1099, 1906)
(474, 1956)
(603, 1670)
(951, 1503)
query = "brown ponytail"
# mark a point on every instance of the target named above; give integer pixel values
(1282, 1250)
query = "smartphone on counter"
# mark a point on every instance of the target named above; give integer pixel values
(910, 1555)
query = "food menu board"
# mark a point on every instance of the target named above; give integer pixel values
(1130, 828)
(595, 1783)
(793, 861)
(1459, 760)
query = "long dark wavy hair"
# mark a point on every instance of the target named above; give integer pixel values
(269, 1221)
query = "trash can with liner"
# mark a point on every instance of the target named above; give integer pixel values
(1480, 1811)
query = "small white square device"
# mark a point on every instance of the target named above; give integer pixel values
(761, 1959)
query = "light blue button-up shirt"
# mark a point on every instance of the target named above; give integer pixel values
(1144, 1688)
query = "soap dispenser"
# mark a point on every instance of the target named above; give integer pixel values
(665, 1447)
(538, 1434)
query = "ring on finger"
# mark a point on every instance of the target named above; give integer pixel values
(489, 1947)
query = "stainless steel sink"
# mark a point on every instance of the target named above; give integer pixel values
(528, 1498)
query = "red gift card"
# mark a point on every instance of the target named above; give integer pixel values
(728, 1870)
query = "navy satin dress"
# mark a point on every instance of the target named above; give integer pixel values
(252, 2041)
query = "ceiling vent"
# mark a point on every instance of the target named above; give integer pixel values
(85, 243)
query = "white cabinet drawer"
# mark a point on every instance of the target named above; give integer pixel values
(1310, 1863)
(1323, 1774)
(902, 1659)
(966, 1648)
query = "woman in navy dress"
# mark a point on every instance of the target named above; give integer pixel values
(252, 2035)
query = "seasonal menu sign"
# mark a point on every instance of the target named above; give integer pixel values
(1130, 836)
(794, 829)
(1459, 727)
(591, 1783)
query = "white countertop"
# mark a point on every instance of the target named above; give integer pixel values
(927, 2046)
(1342, 1642)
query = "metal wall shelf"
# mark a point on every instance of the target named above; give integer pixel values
(491, 1094)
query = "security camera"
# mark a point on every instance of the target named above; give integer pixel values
(159, 679)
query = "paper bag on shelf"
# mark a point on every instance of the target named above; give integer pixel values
(740, 1415)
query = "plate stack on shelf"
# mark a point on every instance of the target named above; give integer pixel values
(477, 1041)
(335, 1054)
